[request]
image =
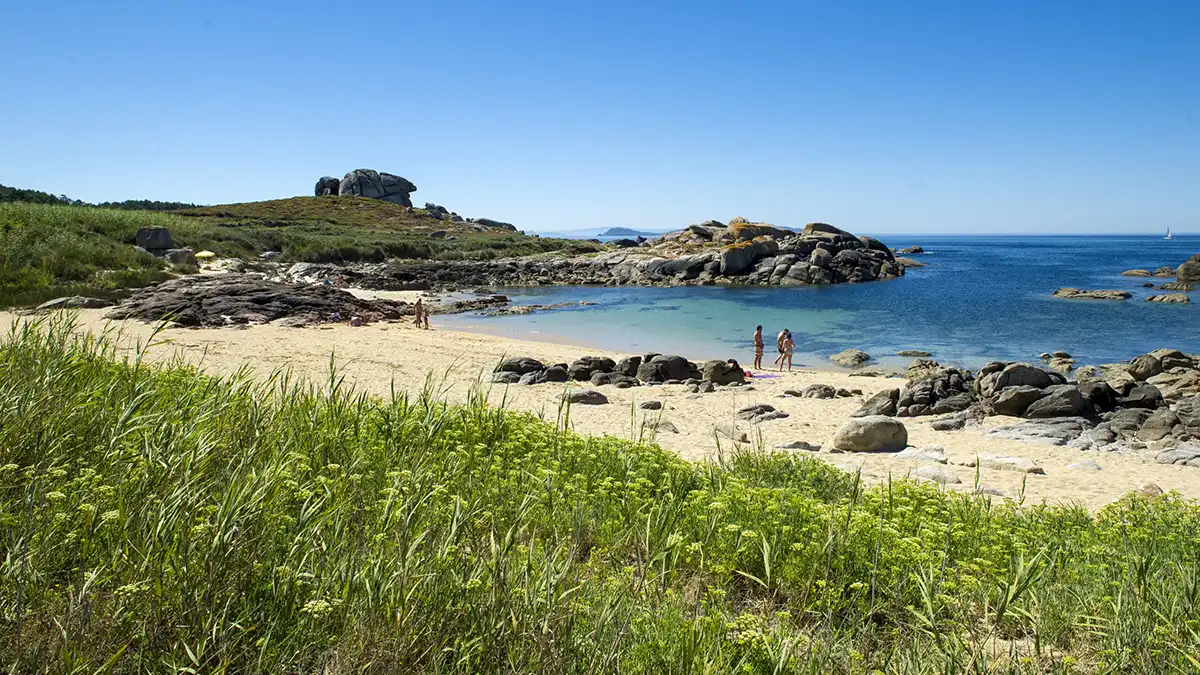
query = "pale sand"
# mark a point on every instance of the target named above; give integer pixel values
(376, 356)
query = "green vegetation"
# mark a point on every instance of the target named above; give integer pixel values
(157, 519)
(52, 250)
(350, 229)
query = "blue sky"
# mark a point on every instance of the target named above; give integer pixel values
(875, 116)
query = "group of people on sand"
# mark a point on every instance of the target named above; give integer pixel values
(421, 315)
(783, 341)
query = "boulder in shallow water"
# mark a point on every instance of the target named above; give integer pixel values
(850, 358)
(1170, 298)
(1082, 294)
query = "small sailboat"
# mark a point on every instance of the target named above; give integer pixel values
(1168, 234)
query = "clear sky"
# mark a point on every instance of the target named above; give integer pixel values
(889, 116)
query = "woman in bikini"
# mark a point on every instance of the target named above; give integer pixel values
(789, 345)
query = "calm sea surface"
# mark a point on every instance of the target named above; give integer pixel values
(979, 298)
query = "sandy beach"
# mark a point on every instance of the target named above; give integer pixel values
(379, 356)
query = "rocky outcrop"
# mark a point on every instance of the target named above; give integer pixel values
(1081, 294)
(375, 185)
(1135, 273)
(228, 299)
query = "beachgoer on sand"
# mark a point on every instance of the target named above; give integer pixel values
(418, 312)
(758, 348)
(779, 344)
(789, 345)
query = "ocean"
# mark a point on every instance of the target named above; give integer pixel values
(979, 298)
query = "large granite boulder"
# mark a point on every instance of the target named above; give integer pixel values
(874, 433)
(721, 372)
(156, 240)
(327, 185)
(664, 367)
(375, 185)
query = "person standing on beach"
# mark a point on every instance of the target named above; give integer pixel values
(418, 312)
(779, 344)
(758, 348)
(789, 345)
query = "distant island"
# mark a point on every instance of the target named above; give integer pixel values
(626, 232)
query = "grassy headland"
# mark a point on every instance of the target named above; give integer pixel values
(156, 518)
(51, 250)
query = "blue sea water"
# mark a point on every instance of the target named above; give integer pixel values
(979, 298)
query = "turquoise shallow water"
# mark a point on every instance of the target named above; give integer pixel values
(979, 298)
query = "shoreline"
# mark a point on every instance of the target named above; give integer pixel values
(374, 358)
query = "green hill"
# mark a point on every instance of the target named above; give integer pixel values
(51, 250)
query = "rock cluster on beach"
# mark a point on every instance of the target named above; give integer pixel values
(632, 371)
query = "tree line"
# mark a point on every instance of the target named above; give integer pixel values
(12, 194)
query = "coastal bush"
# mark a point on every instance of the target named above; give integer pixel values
(156, 518)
